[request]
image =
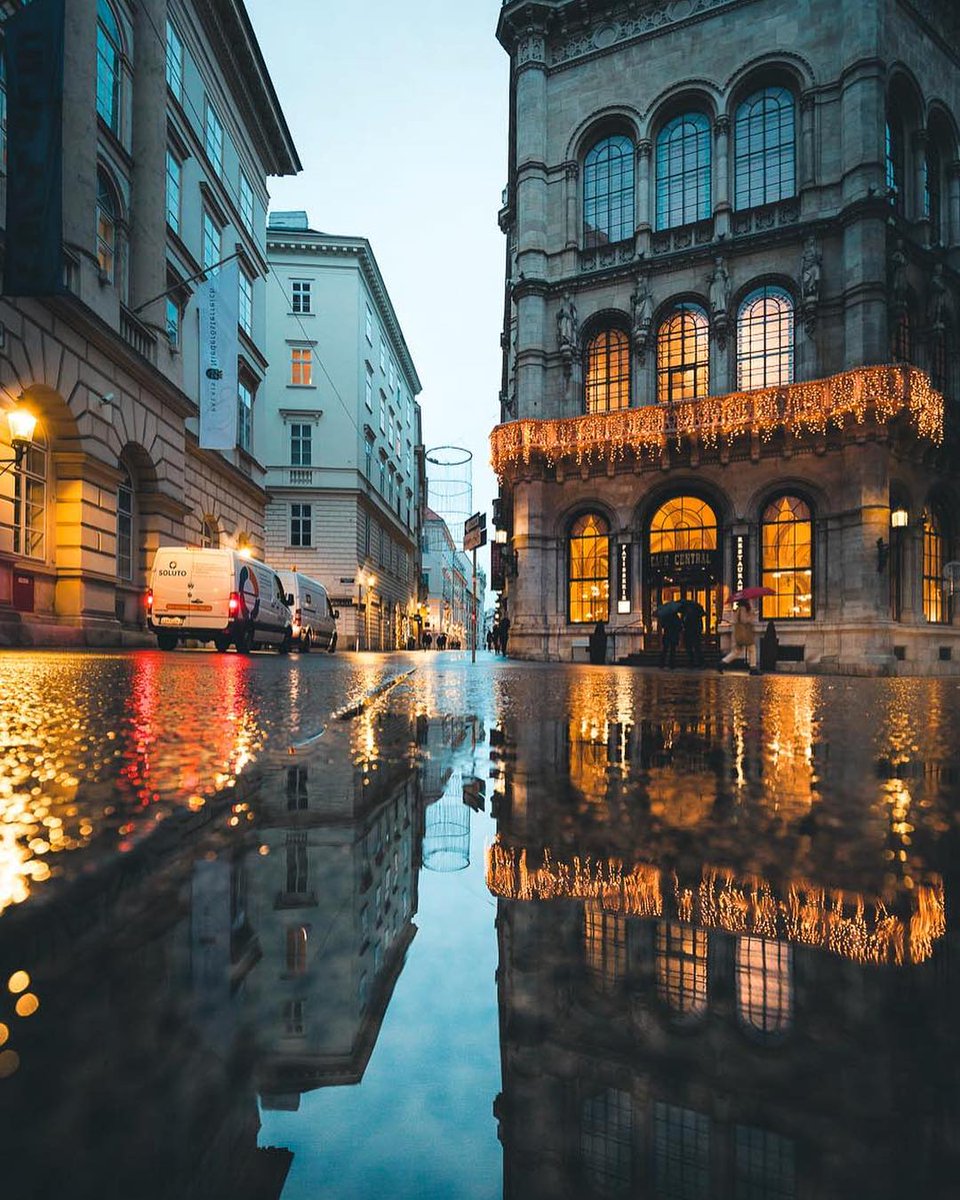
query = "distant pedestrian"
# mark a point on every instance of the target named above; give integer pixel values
(598, 644)
(693, 632)
(670, 629)
(743, 635)
(490, 638)
(504, 634)
(441, 640)
(427, 639)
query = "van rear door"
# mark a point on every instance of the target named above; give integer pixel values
(209, 585)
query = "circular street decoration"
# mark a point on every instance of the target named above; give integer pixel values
(250, 591)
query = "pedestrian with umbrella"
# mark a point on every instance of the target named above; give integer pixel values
(744, 628)
(692, 615)
(671, 626)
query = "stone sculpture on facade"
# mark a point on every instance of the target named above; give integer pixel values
(937, 300)
(641, 302)
(567, 331)
(720, 300)
(899, 291)
(810, 268)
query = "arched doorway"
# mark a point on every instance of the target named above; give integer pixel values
(682, 560)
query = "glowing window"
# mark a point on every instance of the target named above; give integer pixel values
(935, 609)
(765, 148)
(681, 1153)
(764, 984)
(786, 535)
(108, 66)
(30, 501)
(608, 192)
(589, 573)
(682, 968)
(209, 534)
(606, 1141)
(765, 340)
(301, 366)
(607, 376)
(683, 171)
(683, 523)
(296, 949)
(605, 946)
(683, 355)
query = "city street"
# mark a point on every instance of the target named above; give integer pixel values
(234, 887)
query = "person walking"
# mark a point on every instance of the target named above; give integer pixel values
(504, 634)
(693, 632)
(743, 635)
(427, 640)
(670, 629)
(598, 644)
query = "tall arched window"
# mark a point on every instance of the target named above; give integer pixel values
(3, 109)
(606, 384)
(296, 948)
(895, 162)
(765, 340)
(30, 501)
(606, 1142)
(604, 945)
(109, 49)
(108, 216)
(764, 984)
(125, 540)
(765, 154)
(682, 968)
(683, 523)
(786, 548)
(589, 569)
(683, 355)
(209, 534)
(683, 171)
(608, 192)
(935, 607)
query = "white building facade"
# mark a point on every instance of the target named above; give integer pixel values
(339, 433)
(170, 127)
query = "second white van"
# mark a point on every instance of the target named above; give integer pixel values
(314, 621)
(217, 596)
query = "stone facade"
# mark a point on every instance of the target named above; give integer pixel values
(340, 432)
(165, 159)
(674, 165)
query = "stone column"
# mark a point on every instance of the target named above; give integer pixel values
(920, 141)
(148, 209)
(571, 184)
(807, 165)
(644, 222)
(953, 204)
(721, 176)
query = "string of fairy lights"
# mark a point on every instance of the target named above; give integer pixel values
(882, 392)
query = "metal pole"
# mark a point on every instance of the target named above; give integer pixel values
(359, 598)
(473, 643)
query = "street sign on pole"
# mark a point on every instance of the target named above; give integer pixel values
(475, 531)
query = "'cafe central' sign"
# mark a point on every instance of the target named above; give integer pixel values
(689, 564)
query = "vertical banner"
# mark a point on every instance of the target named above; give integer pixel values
(33, 47)
(739, 562)
(219, 348)
(623, 577)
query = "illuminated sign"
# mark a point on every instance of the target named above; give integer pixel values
(740, 562)
(623, 578)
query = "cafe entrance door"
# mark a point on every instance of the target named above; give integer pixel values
(683, 563)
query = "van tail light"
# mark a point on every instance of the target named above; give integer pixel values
(297, 618)
(149, 600)
(233, 604)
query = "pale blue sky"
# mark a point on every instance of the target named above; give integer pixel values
(399, 113)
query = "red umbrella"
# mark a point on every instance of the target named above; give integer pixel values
(753, 593)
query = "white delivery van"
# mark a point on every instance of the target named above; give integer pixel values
(314, 621)
(216, 596)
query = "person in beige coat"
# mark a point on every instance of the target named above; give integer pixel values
(743, 635)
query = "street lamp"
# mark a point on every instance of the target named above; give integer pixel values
(369, 580)
(22, 424)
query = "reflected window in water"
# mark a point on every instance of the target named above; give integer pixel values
(765, 1168)
(681, 1153)
(606, 1137)
(293, 1018)
(297, 950)
(297, 870)
(605, 946)
(764, 984)
(296, 789)
(682, 968)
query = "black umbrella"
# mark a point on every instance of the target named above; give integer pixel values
(670, 609)
(692, 606)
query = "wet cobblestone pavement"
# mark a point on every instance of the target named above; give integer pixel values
(348, 926)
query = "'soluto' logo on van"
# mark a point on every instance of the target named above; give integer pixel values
(171, 569)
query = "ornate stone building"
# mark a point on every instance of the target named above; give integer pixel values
(730, 355)
(170, 126)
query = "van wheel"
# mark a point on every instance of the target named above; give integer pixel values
(333, 644)
(222, 643)
(305, 641)
(284, 646)
(244, 640)
(167, 641)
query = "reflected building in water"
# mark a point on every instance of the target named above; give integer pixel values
(696, 1000)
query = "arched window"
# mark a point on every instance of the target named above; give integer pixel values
(606, 1142)
(296, 950)
(764, 984)
(895, 162)
(109, 48)
(589, 569)
(683, 171)
(935, 607)
(125, 525)
(901, 338)
(683, 523)
(108, 216)
(605, 946)
(608, 192)
(3, 109)
(606, 384)
(765, 154)
(209, 534)
(30, 501)
(765, 340)
(932, 184)
(786, 537)
(682, 968)
(683, 355)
